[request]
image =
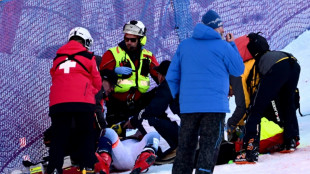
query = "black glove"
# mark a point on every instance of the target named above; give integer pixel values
(137, 119)
(47, 136)
(230, 128)
(232, 123)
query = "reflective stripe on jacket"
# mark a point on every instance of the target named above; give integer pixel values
(140, 80)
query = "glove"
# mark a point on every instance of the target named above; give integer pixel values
(230, 128)
(123, 70)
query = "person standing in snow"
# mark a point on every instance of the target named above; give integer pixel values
(199, 73)
(75, 81)
(279, 74)
(109, 81)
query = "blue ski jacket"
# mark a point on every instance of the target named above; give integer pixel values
(200, 69)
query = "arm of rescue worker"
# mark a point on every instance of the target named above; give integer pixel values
(233, 60)
(147, 97)
(99, 109)
(153, 73)
(159, 103)
(134, 122)
(123, 70)
(108, 61)
(52, 71)
(146, 100)
(248, 66)
(98, 61)
(173, 76)
(237, 87)
(96, 78)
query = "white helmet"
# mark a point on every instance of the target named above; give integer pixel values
(84, 34)
(135, 28)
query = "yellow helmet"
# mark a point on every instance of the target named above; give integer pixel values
(117, 128)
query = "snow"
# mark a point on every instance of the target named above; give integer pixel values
(277, 163)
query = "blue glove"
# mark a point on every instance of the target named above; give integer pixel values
(123, 70)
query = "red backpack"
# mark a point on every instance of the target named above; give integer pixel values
(252, 45)
(242, 43)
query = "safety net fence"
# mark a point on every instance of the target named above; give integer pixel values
(32, 30)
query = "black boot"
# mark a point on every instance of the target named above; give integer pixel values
(289, 146)
(250, 155)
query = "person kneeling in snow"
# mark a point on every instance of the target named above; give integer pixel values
(161, 115)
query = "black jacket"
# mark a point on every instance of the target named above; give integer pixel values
(236, 84)
(159, 104)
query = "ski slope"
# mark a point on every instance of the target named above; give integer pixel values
(277, 163)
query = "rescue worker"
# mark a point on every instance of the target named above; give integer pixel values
(134, 64)
(75, 81)
(161, 115)
(109, 81)
(279, 74)
(271, 133)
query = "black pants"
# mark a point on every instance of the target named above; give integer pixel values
(210, 128)
(119, 111)
(280, 82)
(167, 129)
(62, 127)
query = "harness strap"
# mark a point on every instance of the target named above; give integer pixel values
(71, 57)
(289, 56)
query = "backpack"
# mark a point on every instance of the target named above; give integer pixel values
(242, 43)
(257, 45)
(252, 46)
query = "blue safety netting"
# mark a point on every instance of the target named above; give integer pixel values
(32, 30)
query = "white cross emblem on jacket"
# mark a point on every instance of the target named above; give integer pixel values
(67, 65)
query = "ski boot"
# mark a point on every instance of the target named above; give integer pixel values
(167, 159)
(144, 161)
(250, 155)
(103, 166)
(289, 147)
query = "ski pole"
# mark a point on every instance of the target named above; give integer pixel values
(302, 115)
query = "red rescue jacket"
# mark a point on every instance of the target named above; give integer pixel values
(75, 79)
